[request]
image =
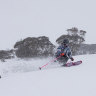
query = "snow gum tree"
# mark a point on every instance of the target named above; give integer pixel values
(76, 38)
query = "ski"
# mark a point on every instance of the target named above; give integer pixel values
(72, 64)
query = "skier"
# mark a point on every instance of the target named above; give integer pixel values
(64, 52)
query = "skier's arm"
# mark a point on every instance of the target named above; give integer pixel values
(58, 51)
(70, 55)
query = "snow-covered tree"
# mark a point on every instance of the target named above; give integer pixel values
(76, 38)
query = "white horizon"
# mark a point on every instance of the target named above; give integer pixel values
(28, 18)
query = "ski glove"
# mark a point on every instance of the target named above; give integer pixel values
(62, 54)
(72, 59)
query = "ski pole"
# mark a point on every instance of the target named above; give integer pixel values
(49, 62)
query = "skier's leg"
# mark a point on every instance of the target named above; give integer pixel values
(65, 61)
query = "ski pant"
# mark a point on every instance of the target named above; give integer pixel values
(63, 60)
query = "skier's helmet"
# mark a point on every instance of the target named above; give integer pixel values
(66, 41)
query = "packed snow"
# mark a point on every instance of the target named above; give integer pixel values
(23, 78)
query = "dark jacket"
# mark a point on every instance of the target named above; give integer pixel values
(64, 49)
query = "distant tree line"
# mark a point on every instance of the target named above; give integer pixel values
(41, 46)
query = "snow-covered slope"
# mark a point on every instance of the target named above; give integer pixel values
(58, 81)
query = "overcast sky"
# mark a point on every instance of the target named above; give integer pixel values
(28, 18)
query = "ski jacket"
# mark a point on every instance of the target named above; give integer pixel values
(64, 49)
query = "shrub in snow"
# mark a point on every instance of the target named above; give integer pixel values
(4, 54)
(34, 47)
